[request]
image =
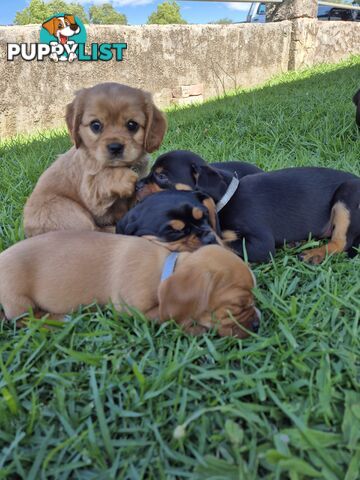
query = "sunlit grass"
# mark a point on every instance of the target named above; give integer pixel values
(116, 397)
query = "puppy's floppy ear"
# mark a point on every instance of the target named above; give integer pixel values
(208, 180)
(356, 97)
(184, 296)
(73, 116)
(71, 19)
(156, 126)
(51, 25)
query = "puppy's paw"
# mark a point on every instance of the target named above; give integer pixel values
(314, 256)
(126, 187)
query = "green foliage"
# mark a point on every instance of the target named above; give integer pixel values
(59, 6)
(167, 13)
(106, 15)
(109, 395)
(38, 11)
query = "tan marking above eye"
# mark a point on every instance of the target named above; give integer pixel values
(197, 213)
(182, 186)
(177, 224)
(159, 169)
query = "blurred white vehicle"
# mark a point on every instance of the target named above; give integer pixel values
(326, 11)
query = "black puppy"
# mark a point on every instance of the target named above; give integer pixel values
(264, 210)
(356, 100)
(175, 170)
(184, 220)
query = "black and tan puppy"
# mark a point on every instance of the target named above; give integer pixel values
(289, 205)
(268, 209)
(356, 100)
(185, 221)
(175, 170)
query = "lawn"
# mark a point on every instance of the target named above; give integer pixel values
(115, 397)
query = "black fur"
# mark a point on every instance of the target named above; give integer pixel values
(269, 209)
(152, 216)
(179, 167)
(356, 100)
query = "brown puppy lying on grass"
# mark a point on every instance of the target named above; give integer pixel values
(92, 185)
(57, 272)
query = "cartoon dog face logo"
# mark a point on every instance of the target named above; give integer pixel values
(62, 27)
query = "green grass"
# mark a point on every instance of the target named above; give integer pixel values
(109, 397)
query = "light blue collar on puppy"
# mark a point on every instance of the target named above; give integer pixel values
(169, 265)
(228, 194)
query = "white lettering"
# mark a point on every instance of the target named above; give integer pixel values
(13, 50)
(31, 55)
(43, 51)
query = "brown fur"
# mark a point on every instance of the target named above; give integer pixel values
(182, 186)
(86, 188)
(59, 271)
(177, 224)
(148, 190)
(189, 243)
(210, 205)
(339, 223)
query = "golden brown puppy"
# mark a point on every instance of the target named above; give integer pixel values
(91, 186)
(57, 272)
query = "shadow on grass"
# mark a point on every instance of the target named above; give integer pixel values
(297, 119)
(320, 92)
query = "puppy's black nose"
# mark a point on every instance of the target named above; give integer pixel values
(208, 239)
(74, 27)
(255, 325)
(115, 148)
(139, 185)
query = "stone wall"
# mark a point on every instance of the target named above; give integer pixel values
(178, 63)
(315, 42)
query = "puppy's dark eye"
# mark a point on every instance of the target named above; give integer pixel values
(96, 126)
(161, 176)
(132, 126)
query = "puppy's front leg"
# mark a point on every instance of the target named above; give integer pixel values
(102, 190)
(123, 183)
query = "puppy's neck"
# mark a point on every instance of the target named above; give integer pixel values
(169, 246)
(219, 192)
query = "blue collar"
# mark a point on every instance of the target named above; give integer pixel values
(169, 266)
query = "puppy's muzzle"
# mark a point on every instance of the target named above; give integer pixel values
(255, 323)
(115, 149)
(209, 238)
